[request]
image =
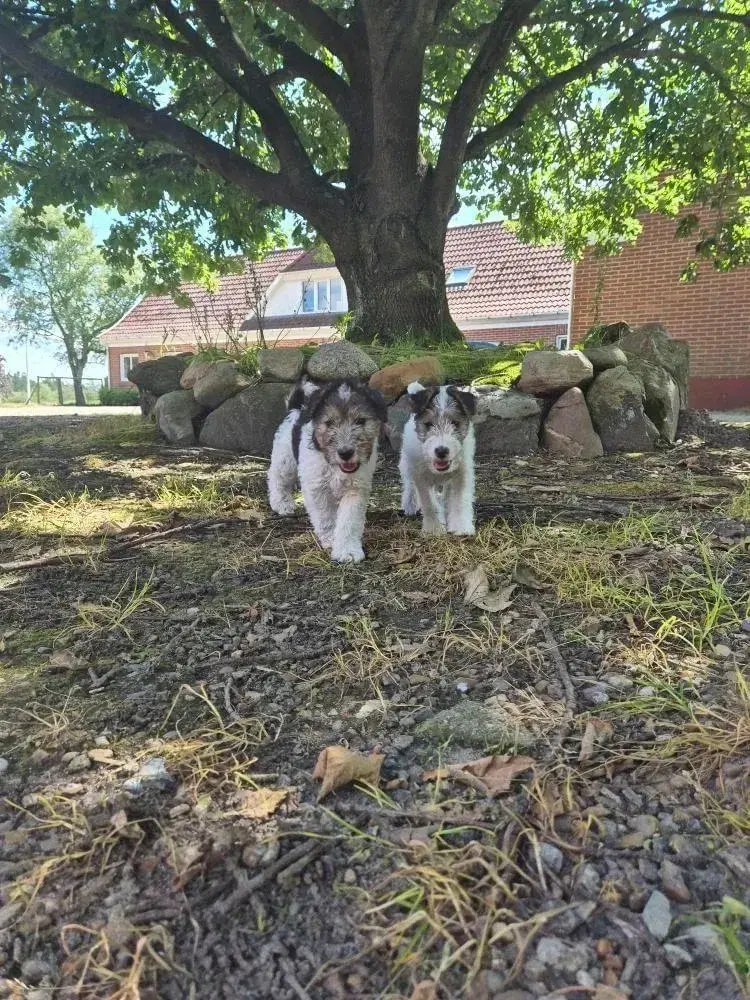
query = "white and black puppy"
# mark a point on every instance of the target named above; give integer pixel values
(329, 441)
(437, 459)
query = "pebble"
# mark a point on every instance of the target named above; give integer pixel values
(632, 841)
(677, 958)
(350, 876)
(645, 824)
(402, 742)
(179, 810)
(588, 881)
(552, 857)
(34, 969)
(657, 915)
(595, 695)
(39, 756)
(746, 625)
(646, 692)
(619, 681)
(463, 687)
(4, 765)
(9, 912)
(673, 882)
(553, 952)
(101, 741)
(79, 762)
(722, 651)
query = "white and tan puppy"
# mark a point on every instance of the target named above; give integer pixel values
(329, 441)
(437, 459)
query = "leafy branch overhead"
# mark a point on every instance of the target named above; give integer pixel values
(203, 122)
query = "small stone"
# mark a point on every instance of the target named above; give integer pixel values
(67, 757)
(350, 876)
(34, 970)
(745, 625)
(585, 979)
(657, 915)
(39, 757)
(179, 810)
(473, 724)
(553, 952)
(677, 958)
(673, 882)
(101, 741)
(595, 695)
(645, 824)
(80, 762)
(462, 687)
(9, 912)
(722, 651)
(620, 681)
(4, 765)
(646, 692)
(552, 857)
(632, 841)
(587, 882)
(402, 742)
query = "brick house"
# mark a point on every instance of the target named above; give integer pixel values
(642, 285)
(499, 289)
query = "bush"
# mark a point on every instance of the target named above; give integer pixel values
(118, 397)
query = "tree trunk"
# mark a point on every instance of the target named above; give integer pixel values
(78, 385)
(395, 282)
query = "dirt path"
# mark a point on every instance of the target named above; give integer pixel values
(563, 804)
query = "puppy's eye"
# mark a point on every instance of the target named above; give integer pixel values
(360, 421)
(328, 424)
(428, 425)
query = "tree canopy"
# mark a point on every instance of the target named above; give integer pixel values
(203, 121)
(61, 291)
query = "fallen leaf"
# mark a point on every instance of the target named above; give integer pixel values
(64, 659)
(490, 775)
(259, 803)
(337, 766)
(426, 990)
(477, 591)
(597, 731)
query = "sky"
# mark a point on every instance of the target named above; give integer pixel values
(42, 361)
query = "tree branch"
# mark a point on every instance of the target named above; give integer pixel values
(298, 63)
(627, 47)
(148, 123)
(510, 19)
(324, 29)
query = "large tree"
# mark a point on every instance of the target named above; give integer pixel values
(61, 290)
(202, 121)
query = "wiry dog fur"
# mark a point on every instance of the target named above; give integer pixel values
(329, 440)
(437, 459)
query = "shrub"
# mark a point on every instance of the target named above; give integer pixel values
(118, 397)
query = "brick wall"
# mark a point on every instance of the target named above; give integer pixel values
(519, 334)
(642, 285)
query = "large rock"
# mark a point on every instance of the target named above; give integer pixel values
(247, 422)
(651, 342)
(393, 380)
(507, 422)
(222, 381)
(398, 414)
(603, 356)
(161, 374)
(474, 724)
(568, 430)
(615, 402)
(548, 372)
(196, 369)
(661, 395)
(341, 359)
(280, 364)
(177, 415)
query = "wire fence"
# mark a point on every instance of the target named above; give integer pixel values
(54, 390)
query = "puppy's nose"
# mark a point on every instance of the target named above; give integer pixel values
(441, 452)
(345, 454)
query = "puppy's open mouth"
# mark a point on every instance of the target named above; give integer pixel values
(441, 464)
(349, 466)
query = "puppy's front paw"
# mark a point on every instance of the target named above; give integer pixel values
(462, 528)
(432, 527)
(285, 508)
(347, 554)
(410, 508)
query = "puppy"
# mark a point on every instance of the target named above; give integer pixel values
(437, 459)
(329, 441)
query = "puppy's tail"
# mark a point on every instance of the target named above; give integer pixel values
(414, 387)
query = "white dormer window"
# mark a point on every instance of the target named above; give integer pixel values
(459, 277)
(325, 296)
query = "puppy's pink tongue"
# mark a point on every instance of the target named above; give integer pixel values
(349, 466)
(441, 466)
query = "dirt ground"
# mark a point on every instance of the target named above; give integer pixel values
(559, 710)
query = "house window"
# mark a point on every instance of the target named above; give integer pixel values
(127, 361)
(561, 341)
(459, 277)
(326, 295)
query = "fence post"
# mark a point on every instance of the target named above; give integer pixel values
(39, 391)
(59, 391)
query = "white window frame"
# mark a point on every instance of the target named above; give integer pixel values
(562, 341)
(132, 360)
(315, 282)
(471, 268)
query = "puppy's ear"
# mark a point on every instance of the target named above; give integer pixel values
(376, 400)
(421, 399)
(466, 400)
(313, 403)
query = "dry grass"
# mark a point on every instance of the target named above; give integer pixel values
(113, 614)
(739, 505)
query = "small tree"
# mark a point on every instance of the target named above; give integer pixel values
(6, 380)
(61, 290)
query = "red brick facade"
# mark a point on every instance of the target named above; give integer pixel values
(642, 285)
(548, 332)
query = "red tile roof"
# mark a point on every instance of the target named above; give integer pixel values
(512, 279)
